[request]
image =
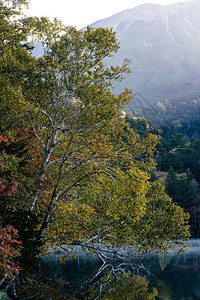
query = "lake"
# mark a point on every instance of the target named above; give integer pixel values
(174, 276)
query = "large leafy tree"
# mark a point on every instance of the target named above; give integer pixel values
(92, 176)
(95, 169)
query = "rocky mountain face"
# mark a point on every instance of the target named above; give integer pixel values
(163, 43)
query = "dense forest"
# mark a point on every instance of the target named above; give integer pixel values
(178, 157)
(73, 170)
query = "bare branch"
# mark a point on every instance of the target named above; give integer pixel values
(36, 295)
(42, 110)
(36, 135)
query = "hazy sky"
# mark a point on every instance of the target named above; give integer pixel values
(84, 12)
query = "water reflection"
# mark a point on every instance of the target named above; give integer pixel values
(176, 277)
(121, 286)
(89, 278)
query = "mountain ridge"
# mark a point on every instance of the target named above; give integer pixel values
(163, 43)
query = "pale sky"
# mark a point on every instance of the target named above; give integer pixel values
(81, 13)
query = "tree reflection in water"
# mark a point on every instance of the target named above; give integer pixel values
(121, 285)
(90, 278)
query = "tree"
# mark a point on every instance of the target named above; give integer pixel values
(9, 249)
(97, 172)
(92, 181)
(9, 239)
(18, 170)
(179, 188)
(16, 62)
(171, 182)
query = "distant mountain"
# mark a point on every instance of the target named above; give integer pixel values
(163, 43)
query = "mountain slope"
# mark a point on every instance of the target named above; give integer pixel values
(163, 43)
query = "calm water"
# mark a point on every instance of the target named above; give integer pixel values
(174, 276)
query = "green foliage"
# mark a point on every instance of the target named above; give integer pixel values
(141, 125)
(135, 214)
(179, 188)
(179, 156)
(161, 225)
(2, 295)
(16, 63)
